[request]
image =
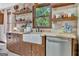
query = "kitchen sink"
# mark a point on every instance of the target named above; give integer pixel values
(33, 38)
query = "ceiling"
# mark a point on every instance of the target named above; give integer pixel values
(6, 5)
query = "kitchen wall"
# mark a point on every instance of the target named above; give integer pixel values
(3, 28)
(11, 19)
(2, 33)
(58, 26)
(67, 9)
(9, 22)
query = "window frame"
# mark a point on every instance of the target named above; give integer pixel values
(50, 15)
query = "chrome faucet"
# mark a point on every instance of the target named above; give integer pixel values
(38, 29)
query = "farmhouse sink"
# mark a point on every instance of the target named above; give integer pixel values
(33, 38)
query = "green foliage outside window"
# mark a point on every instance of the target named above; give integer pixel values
(42, 21)
(42, 11)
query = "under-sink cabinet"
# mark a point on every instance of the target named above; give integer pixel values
(16, 44)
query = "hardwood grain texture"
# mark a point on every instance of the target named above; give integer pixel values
(1, 18)
(16, 45)
(39, 49)
(74, 47)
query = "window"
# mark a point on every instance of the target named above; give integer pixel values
(42, 16)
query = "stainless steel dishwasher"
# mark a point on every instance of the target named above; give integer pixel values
(57, 46)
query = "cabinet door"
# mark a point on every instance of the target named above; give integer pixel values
(22, 48)
(18, 44)
(14, 43)
(11, 43)
(1, 18)
(39, 49)
(26, 48)
(74, 43)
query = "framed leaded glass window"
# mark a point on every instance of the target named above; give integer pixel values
(42, 16)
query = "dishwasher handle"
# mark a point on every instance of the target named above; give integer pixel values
(57, 41)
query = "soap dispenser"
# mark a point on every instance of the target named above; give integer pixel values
(53, 28)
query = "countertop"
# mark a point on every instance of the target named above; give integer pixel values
(15, 32)
(64, 35)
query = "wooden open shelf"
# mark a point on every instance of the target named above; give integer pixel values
(21, 12)
(66, 18)
(20, 22)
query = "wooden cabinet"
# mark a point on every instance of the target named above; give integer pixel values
(1, 18)
(9, 41)
(32, 49)
(39, 49)
(74, 47)
(16, 45)
(26, 49)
